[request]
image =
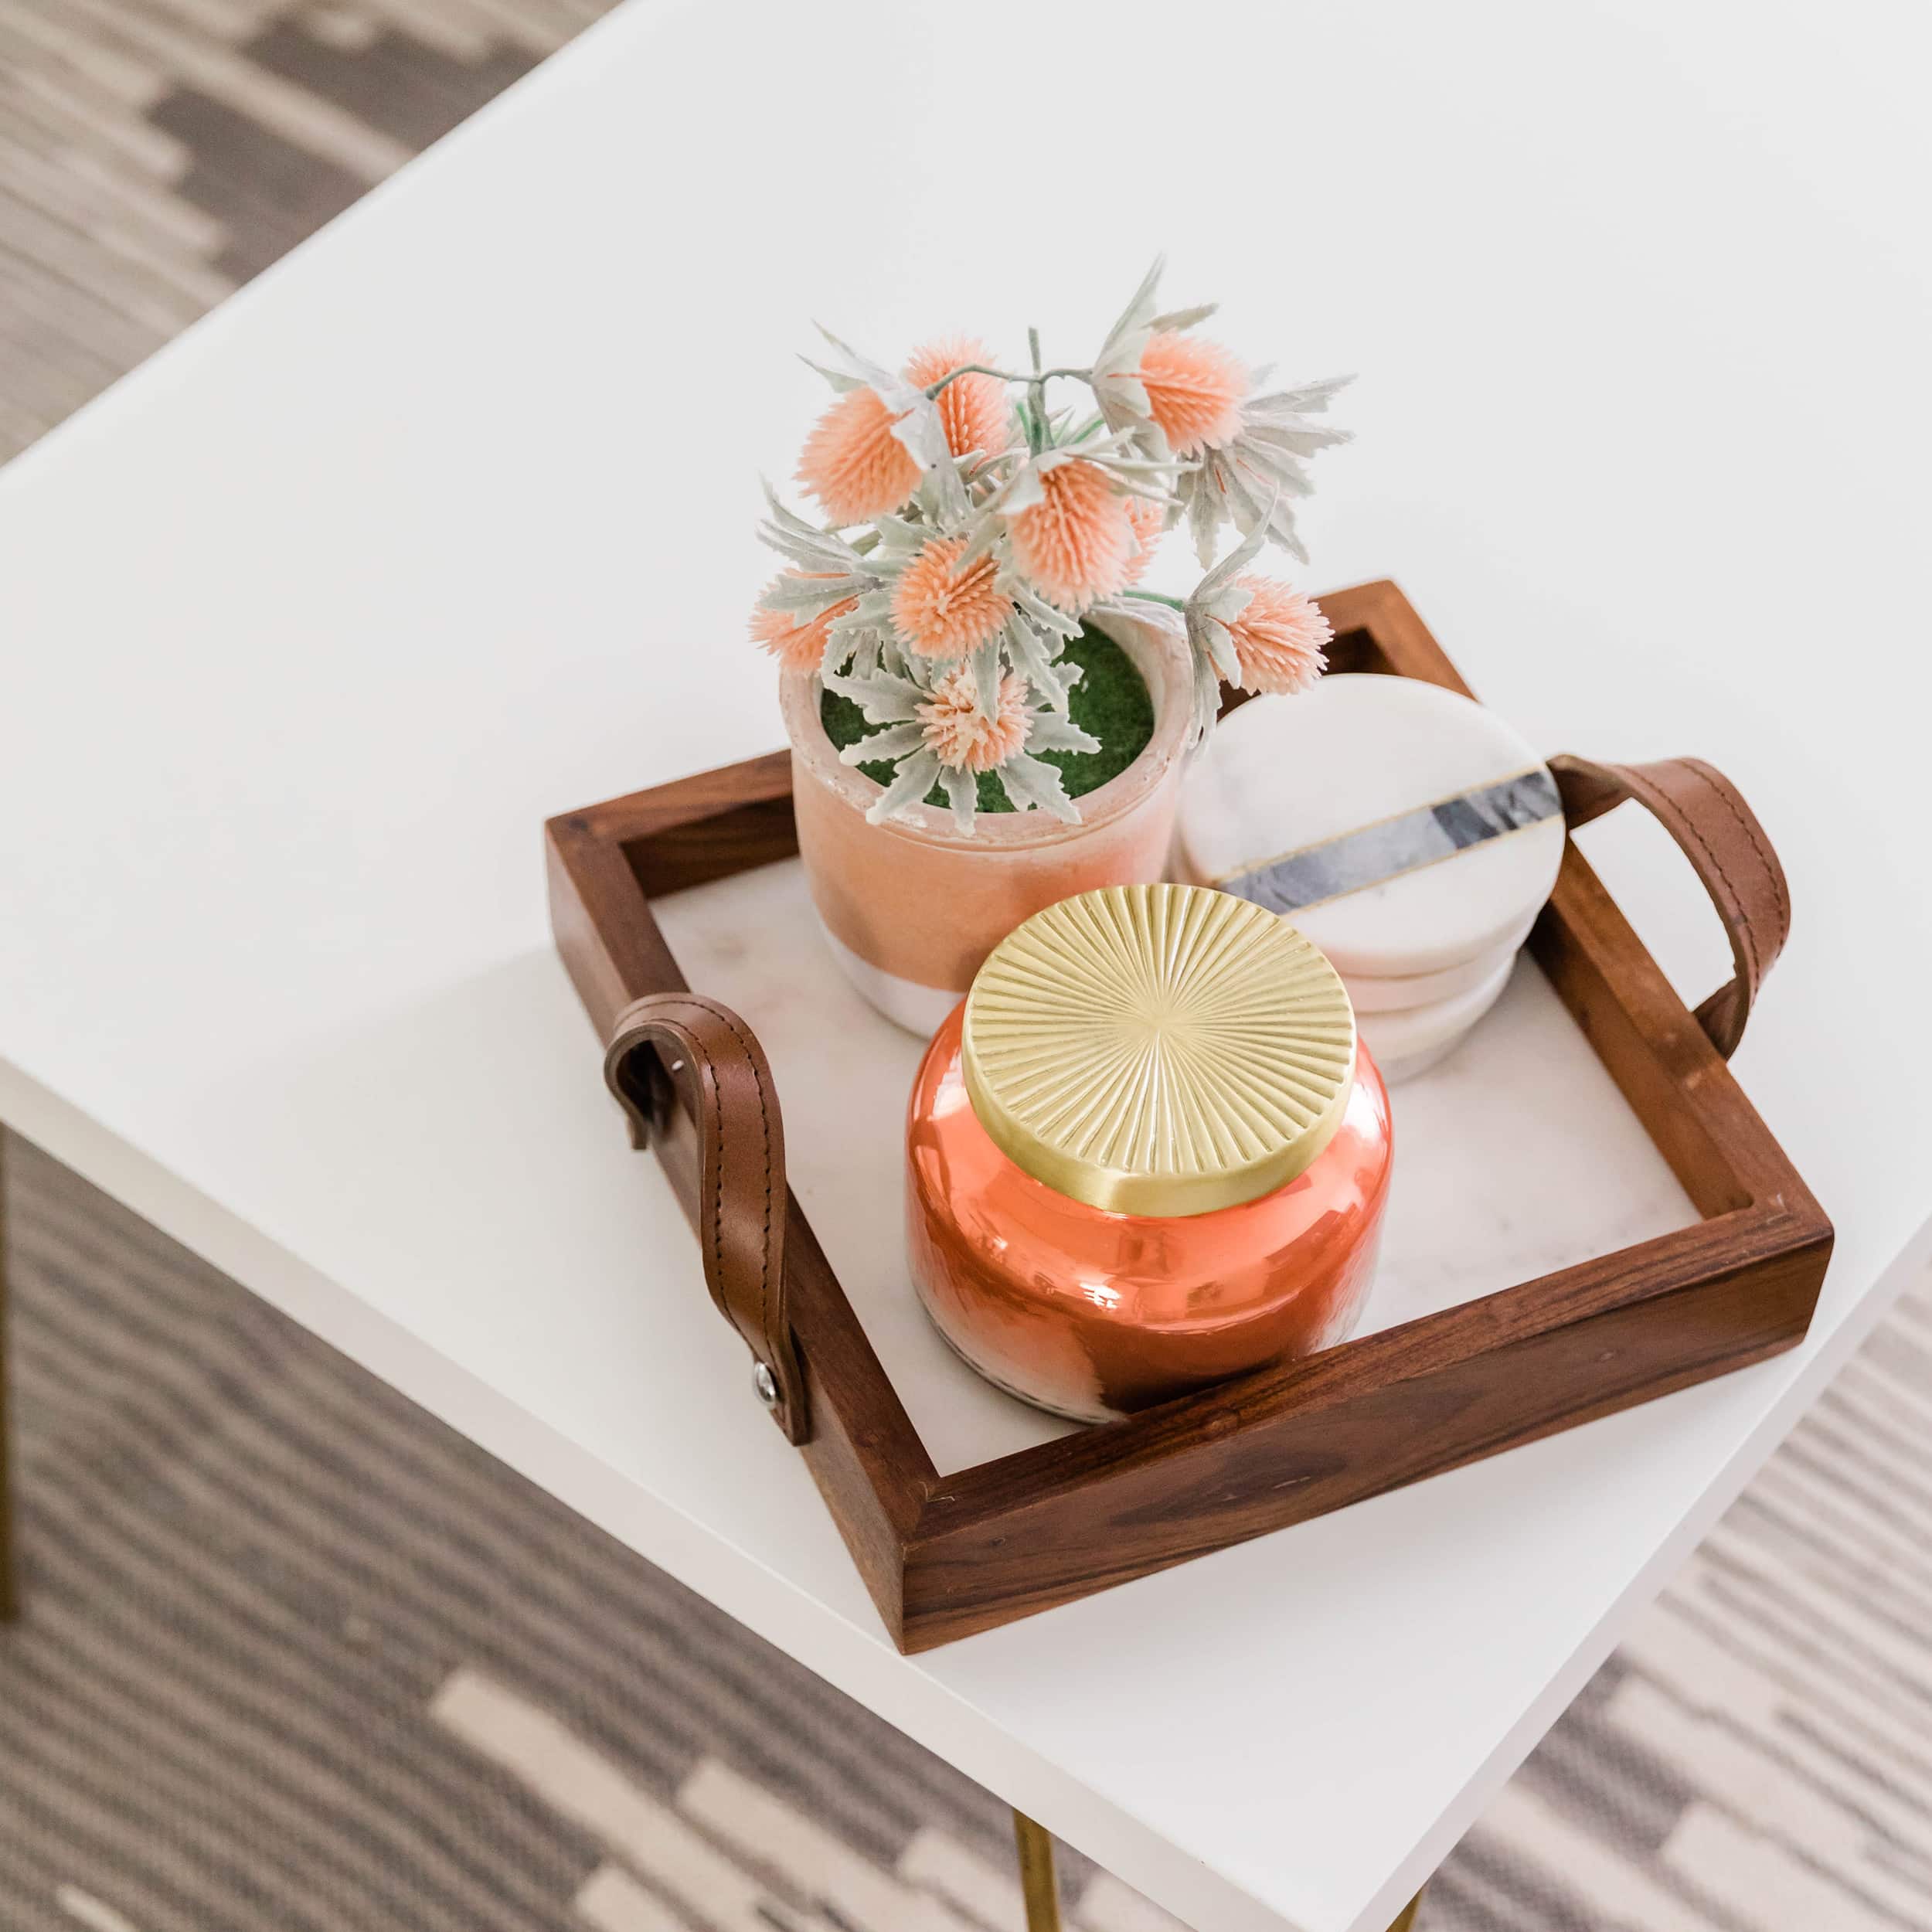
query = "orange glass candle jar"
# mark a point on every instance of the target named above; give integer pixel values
(1146, 1153)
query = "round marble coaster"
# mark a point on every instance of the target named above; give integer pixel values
(1395, 1072)
(1374, 995)
(1402, 1036)
(1402, 827)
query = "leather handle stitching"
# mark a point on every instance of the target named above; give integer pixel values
(1752, 962)
(1773, 874)
(766, 1342)
(764, 1128)
(1678, 821)
(1738, 928)
(1741, 927)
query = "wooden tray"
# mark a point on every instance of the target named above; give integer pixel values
(944, 1555)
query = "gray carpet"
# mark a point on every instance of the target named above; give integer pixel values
(294, 1656)
(279, 1630)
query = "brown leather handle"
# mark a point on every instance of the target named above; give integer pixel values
(1718, 833)
(714, 1061)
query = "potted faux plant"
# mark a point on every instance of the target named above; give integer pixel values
(988, 711)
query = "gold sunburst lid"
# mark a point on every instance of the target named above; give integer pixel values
(1159, 1050)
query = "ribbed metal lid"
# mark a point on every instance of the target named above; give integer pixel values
(1159, 1049)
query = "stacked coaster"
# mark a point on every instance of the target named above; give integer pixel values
(1412, 835)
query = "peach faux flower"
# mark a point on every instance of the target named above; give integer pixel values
(974, 408)
(1278, 639)
(799, 646)
(853, 464)
(959, 736)
(1148, 521)
(1075, 546)
(943, 612)
(1194, 390)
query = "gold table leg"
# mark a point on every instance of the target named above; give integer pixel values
(1041, 1891)
(9, 1603)
(1036, 1881)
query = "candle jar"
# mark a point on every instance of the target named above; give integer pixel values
(1146, 1153)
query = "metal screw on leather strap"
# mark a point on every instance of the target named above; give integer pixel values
(684, 1046)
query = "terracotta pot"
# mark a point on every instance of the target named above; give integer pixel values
(910, 908)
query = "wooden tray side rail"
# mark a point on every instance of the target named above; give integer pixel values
(863, 1452)
(945, 1556)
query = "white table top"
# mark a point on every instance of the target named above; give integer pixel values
(444, 526)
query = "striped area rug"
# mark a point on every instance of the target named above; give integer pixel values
(155, 154)
(294, 1656)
